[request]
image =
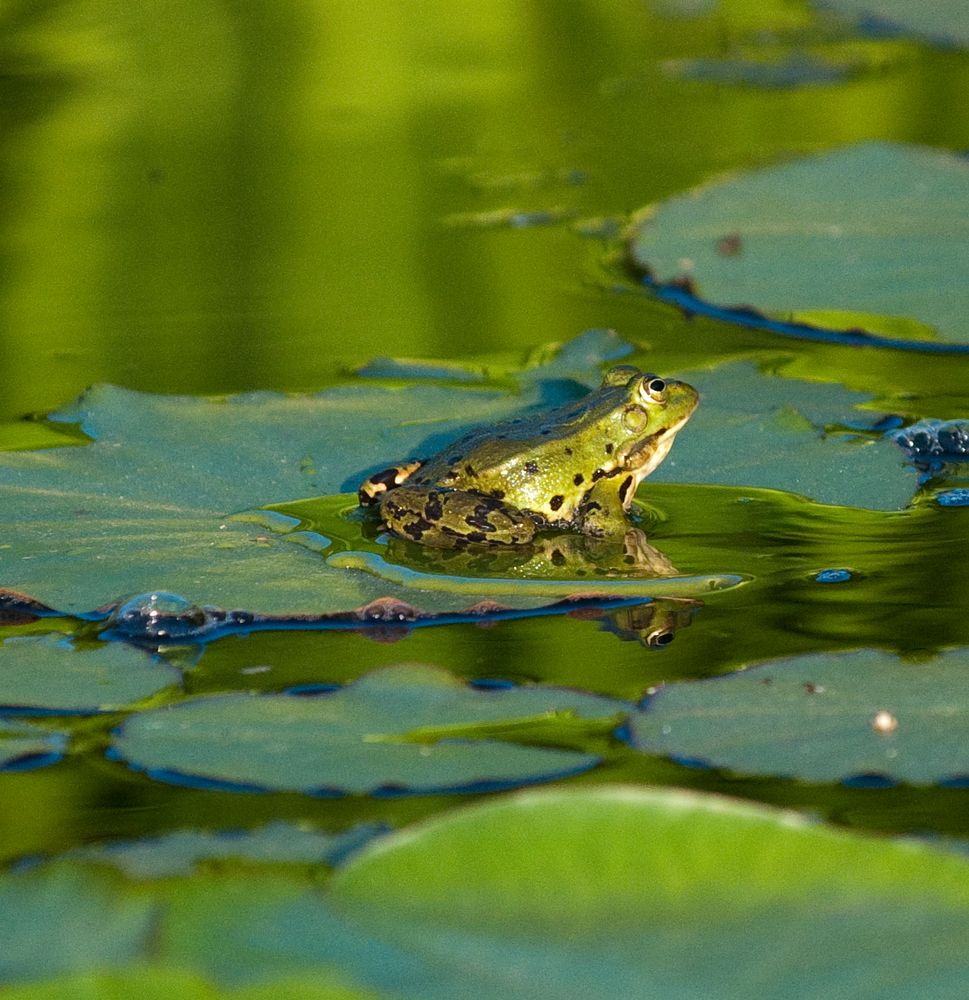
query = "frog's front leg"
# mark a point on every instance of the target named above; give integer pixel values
(603, 508)
(451, 518)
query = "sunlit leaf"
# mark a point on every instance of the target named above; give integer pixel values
(628, 892)
(177, 984)
(821, 718)
(366, 737)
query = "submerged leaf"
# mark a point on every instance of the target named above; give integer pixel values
(819, 718)
(367, 736)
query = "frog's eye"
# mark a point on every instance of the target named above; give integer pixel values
(652, 389)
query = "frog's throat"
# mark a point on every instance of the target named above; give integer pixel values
(658, 447)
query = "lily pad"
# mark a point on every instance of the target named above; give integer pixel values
(177, 984)
(146, 506)
(48, 673)
(404, 728)
(63, 919)
(757, 430)
(623, 892)
(945, 21)
(826, 717)
(873, 228)
(180, 852)
(24, 746)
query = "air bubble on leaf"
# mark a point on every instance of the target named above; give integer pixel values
(161, 617)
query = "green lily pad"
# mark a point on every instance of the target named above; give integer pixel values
(50, 674)
(180, 852)
(24, 746)
(147, 505)
(64, 919)
(945, 21)
(821, 718)
(757, 430)
(626, 892)
(177, 984)
(403, 728)
(874, 228)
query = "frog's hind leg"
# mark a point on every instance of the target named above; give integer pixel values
(372, 489)
(451, 518)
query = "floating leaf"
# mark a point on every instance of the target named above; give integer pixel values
(24, 746)
(626, 892)
(945, 21)
(367, 736)
(49, 673)
(877, 228)
(63, 919)
(753, 429)
(146, 506)
(818, 718)
(180, 851)
(177, 984)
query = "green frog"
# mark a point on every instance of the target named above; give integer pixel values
(575, 467)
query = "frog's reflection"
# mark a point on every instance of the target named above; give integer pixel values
(655, 624)
(559, 556)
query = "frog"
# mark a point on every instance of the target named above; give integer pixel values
(575, 467)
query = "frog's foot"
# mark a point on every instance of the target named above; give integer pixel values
(372, 488)
(452, 518)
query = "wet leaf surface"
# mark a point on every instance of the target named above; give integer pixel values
(49, 673)
(404, 728)
(821, 718)
(814, 234)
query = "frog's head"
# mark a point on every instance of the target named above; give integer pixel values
(651, 411)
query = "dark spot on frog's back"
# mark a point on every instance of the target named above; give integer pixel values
(578, 479)
(531, 468)
(469, 469)
(609, 448)
(556, 501)
(433, 509)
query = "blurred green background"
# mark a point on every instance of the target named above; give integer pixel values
(213, 195)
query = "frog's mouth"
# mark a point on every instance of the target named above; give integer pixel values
(647, 454)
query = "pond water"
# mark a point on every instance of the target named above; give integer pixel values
(202, 199)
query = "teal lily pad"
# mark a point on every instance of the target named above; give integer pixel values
(49, 673)
(824, 717)
(148, 505)
(24, 746)
(758, 430)
(180, 852)
(628, 892)
(403, 728)
(945, 21)
(64, 919)
(874, 228)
